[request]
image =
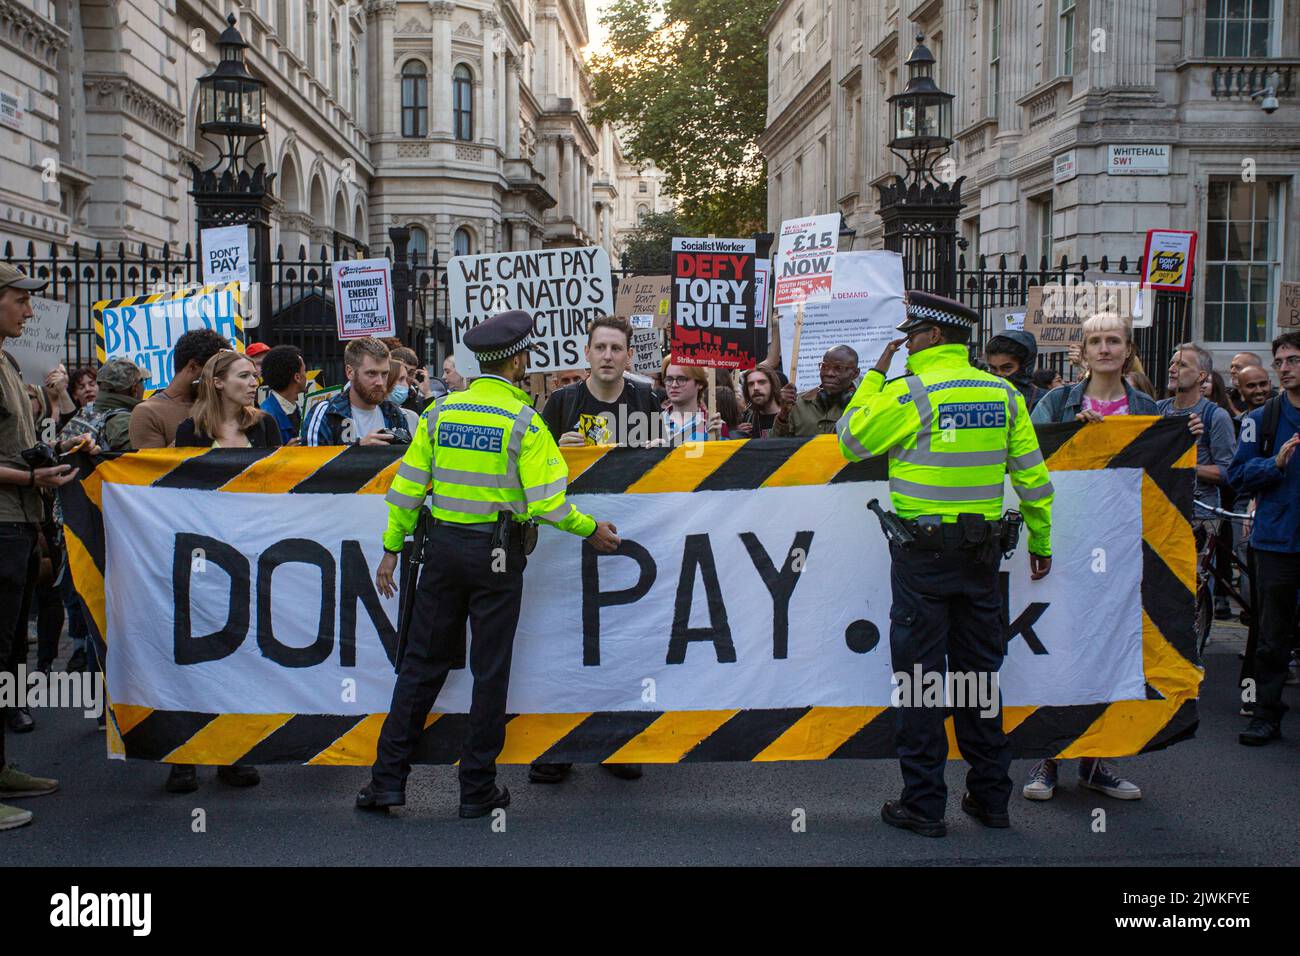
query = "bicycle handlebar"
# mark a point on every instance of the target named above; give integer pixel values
(1221, 513)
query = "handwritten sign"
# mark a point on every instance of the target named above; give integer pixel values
(1288, 306)
(43, 341)
(644, 300)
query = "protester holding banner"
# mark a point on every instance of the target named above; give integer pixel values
(817, 410)
(20, 487)
(1190, 366)
(953, 434)
(1107, 356)
(225, 414)
(154, 421)
(488, 482)
(284, 373)
(361, 413)
(602, 409)
(1107, 353)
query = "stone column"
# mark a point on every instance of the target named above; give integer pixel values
(388, 83)
(1014, 50)
(1131, 40)
(513, 80)
(519, 236)
(489, 123)
(440, 100)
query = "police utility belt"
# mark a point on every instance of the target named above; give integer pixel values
(506, 532)
(986, 541)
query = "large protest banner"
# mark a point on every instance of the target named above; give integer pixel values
(863, 312)
(44, 340)
(714, 313)
(751, 594)
(144, 328)
(564, 289)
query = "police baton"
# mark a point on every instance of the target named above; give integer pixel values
(408, 583)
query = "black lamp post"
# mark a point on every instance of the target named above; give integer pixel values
(920, 211)
(232, 119)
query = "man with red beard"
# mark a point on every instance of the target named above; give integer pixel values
(359, 414)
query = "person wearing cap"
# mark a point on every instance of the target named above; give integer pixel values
(257, 351)
(20, 518)
(952, 433)
(490, 467)
(108, 420)
(1011, 355)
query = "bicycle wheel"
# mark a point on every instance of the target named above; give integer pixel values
(1204, 617)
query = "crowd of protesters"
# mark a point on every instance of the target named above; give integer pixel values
(1246, 431)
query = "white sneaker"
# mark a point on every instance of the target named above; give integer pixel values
(1042, 781)
(1096, 774)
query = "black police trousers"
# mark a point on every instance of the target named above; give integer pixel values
(458, 582)
(947, 614)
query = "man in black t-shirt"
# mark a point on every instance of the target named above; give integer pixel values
(606, 409)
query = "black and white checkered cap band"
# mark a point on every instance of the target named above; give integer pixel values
(500, 355)
(936, 315)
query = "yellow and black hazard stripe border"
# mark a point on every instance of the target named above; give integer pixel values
(97, 310)
(1161, 447)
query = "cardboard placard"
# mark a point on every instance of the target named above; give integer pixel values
(1054, 332)
(1288, 306)
(563, 290)
(44, 340)
(644, 300)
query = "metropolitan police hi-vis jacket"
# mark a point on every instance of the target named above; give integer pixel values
(476, 453)
(952, 433)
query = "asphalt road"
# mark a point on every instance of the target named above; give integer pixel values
(1208, 801)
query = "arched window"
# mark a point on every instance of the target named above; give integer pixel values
(415, 99)
(462, 98)
(642, 211)
(462, 243)
(417, 247)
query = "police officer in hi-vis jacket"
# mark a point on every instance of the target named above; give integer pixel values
(952, 433)
(490, 467)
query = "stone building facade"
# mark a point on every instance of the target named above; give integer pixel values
(465, 121)
(1043, 90)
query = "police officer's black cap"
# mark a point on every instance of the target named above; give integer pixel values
(926, 308)
(501, 337)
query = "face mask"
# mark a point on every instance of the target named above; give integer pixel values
(398, 395)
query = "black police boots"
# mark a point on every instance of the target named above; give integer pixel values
(896, 815)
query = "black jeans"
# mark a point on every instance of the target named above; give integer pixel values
(1277, 581)
(947, 611)
(18, 567)
(460, 582)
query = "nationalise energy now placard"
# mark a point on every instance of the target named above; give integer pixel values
(144, 328)
(563, 289)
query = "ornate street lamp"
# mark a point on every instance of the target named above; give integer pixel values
(922, 116)
(232, 119)
(919, 210)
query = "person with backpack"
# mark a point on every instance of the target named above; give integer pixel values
(108, 420)
(1266, 466)
(1190, 367)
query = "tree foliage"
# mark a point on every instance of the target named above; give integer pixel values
(649, 249)
(685, 81)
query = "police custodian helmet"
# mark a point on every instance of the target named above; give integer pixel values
(501, 337)
(926, 308)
